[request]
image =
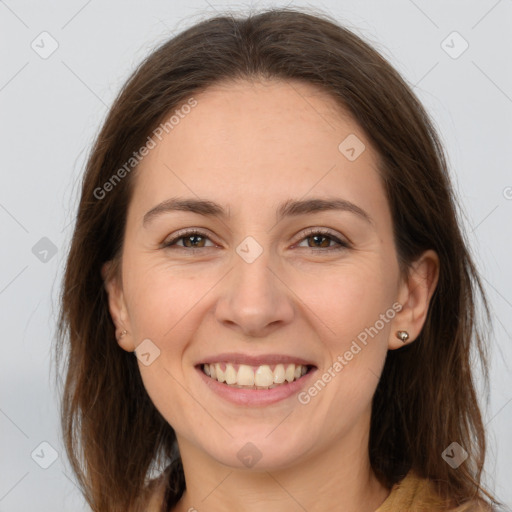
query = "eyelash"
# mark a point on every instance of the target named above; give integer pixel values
(309, 233)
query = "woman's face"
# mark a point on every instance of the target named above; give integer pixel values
(255, 282)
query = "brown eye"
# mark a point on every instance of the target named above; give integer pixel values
(191, 240)
(321, 239)
(316, 239)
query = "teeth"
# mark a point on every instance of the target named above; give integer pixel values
(245, 375)
(263, 377)
(220, 373)
(230, 375)
(290, 373)
(279, 374)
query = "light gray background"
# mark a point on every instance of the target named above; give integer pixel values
(52, 108)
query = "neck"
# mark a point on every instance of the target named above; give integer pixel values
(338, 478)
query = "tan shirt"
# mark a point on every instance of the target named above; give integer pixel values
(415, 494)
(412, 494)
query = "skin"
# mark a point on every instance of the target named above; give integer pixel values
(249, 147)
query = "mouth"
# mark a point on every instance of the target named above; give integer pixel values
(260, 377)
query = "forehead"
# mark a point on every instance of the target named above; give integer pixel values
(258, 143)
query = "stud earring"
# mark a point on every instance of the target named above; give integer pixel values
(402, 335)
(123, 333)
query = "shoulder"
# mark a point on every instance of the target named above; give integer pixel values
(408, 494)
(474, 506)
(416, 493)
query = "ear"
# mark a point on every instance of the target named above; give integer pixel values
(414, 295)
(117, 305)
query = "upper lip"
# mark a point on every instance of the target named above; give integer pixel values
(254, 360)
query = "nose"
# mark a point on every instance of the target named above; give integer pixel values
(254, 299)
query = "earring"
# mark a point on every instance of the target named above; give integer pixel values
(402, 335)
(122, 334)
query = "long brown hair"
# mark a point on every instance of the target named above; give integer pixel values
(426, 398)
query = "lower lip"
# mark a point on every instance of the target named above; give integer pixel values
(256, 397)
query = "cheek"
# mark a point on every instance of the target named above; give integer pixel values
(160, 297)
(354, 312)
(163, 307)
(347, 301)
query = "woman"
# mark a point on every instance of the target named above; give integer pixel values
(268, 292)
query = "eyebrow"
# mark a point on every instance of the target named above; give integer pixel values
(288, 208)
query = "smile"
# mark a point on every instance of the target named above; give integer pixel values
(255, 377)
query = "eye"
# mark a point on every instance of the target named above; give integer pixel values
(317, 235)
(195, 239)
(189, 237)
